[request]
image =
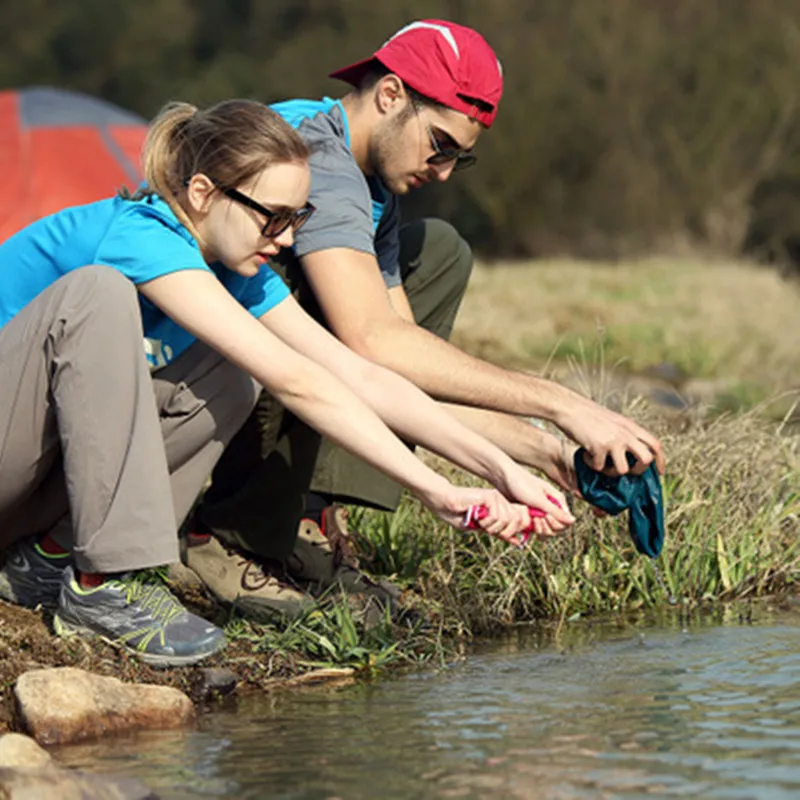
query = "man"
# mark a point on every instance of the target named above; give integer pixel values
(414, 115)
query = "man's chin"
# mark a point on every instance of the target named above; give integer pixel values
(399, 187)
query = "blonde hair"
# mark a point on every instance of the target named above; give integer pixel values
(230, 142)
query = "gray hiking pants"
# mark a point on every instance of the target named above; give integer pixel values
(260, 485)
(91, 441)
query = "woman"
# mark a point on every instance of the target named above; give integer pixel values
(91, 442)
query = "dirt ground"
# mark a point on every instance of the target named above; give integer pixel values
(27, 643)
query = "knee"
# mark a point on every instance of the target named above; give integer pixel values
(244, 396)
(451, 252)
(100, 279)
(98, 299)
(104, 287)
(235, 405)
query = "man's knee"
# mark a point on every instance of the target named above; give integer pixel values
(433, 249)
(436, 264)
(454, 251)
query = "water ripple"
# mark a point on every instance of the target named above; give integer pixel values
(710, 712)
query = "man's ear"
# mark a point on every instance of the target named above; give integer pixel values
(199, 191)
(390, 94)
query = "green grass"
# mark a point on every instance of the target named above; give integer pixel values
(333, 635)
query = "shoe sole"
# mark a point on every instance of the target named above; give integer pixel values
(261, 612)
(68, 630)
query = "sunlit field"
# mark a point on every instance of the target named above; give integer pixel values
(721, 334)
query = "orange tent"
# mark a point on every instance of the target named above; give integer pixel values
(60, 148)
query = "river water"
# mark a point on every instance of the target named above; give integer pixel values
(692, 710)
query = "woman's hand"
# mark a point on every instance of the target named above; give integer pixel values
(503, 520)
(530, 490)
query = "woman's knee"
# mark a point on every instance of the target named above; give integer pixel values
(103, 290)
(99, 279)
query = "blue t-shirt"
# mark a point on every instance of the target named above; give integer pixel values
(353, 210)
(144, 240)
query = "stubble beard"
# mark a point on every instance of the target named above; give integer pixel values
(386, 150)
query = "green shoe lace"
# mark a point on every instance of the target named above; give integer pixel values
(148, 590)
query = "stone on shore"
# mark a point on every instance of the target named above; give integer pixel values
(28, 772)
(18, 750)
(65, 704)
(64, 784)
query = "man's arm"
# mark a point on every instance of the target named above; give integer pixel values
(527, 444)
(354, 299)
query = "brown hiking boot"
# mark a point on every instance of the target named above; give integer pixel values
(324, 556)
(238, 580)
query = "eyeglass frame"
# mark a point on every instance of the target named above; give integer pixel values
(296, 219)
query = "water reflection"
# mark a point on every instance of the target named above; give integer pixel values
(700, 712)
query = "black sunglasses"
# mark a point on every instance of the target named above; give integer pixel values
(445, 154)
(277, 221)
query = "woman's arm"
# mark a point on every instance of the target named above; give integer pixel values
(199, 303)
(412, 413)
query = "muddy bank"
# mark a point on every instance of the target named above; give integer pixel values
(27, 642)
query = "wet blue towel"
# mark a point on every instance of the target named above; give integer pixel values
(640, 494)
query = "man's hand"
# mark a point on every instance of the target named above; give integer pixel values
(530, 490)
(609, 436)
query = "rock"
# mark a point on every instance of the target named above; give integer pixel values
(213, 683)
(68, 705)
(64, 784)
(666, 372)
(17, 750)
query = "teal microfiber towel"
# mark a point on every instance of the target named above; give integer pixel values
(639, 494)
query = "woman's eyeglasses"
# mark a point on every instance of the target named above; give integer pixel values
(277, 221)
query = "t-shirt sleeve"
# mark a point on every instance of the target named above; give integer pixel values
(387, 244)
(344, 208)
(143, 247)
(263, 292)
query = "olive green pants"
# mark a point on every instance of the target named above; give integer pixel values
(260, 485)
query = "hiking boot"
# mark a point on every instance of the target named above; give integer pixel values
(136, 611)
(237, 580)
(323, 555)
(30, 577)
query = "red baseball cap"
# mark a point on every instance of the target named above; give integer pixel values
(449, 63)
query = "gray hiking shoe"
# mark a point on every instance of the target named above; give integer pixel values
(30, 577)
(139, 613)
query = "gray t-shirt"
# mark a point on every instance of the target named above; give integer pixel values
(352, 210)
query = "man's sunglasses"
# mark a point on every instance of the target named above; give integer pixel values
(277, 221)
(446, 154)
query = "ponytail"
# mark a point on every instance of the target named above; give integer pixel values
(165, 152)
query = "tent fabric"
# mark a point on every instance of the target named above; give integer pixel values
(59, 148)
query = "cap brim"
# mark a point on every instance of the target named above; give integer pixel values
(354, 73)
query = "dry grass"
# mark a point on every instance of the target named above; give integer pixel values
(728, 321)
(733, 481)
